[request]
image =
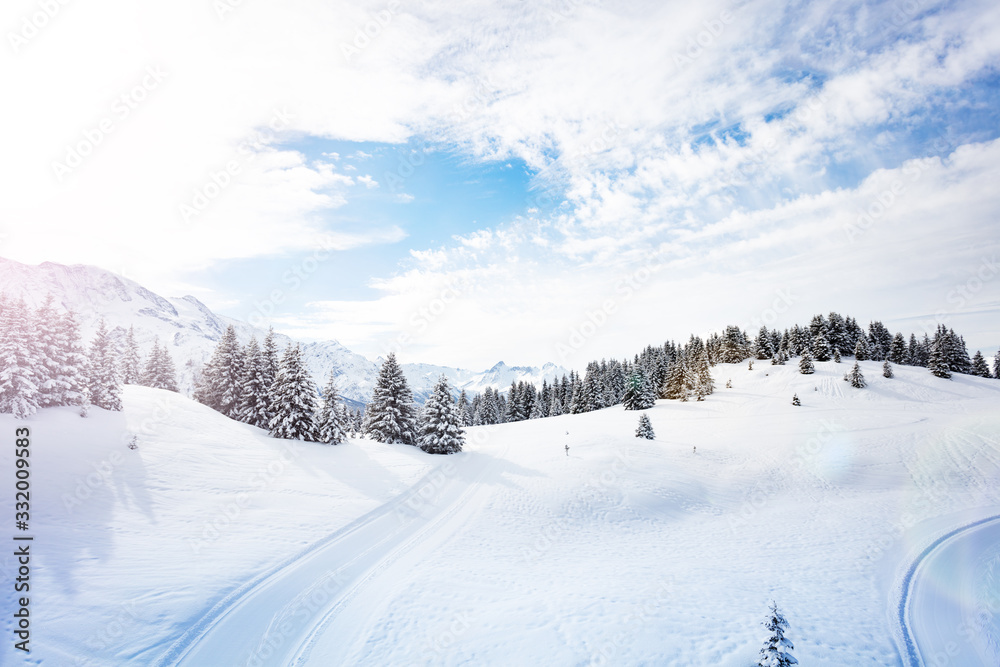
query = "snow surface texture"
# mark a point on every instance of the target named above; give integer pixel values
(191, 331)
(626, 552)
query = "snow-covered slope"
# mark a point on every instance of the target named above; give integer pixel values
(207, 546)
(192, 330)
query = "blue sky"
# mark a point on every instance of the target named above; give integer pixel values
(430, 191)
(633, 171)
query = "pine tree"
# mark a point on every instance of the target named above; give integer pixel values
(805, 364)
(390, 415)
(765, 348)
(996, 365)
(463, 408)
(887, 369)
(704, 384)
(131, 360)
(777, 650)
(330, 420)
(795, 400)
(979, 366)
(836, 356)
(821, 346)
(293, 399)
(897, 350)
(861, 350)
(160, 372)
(254, 402)
(637, 393)
(20, 372)
(220, 386)
(72, 361)
(103, 380)
(937, 362)
(645, 428)
(441, 427)
(857, 380)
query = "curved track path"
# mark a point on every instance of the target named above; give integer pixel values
(309, 608)
(941, 609)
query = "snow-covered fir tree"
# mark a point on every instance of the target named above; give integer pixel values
(855, 377)
(103, 381)
(887, 369)
(777, 650)
(806, 366)
(638, 395)
(255, 389)
(795, 400)
(220, 381)
(821, 346)
(293, 399)
(897, 350)
(645, 428)
(331, 424)
(160, 372)
(979, 365)
(937, 361)
(131, 359)
(441, 425)
(20, 371)
(861, 350)
(390, 416)
(72, 361)
(996, 365)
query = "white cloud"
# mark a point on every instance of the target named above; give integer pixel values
(650, 118)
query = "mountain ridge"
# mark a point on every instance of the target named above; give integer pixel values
(191, 330)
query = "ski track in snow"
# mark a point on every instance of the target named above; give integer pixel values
(910, 647)
(252, 622)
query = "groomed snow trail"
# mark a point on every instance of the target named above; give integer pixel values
(945, 613)
(275, 618)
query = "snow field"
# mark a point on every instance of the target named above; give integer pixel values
(626, 552)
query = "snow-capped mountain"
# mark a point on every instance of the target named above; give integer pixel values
(191, 330)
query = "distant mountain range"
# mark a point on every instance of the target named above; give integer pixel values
(191, 331)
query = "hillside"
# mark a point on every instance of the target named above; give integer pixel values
(203, 547)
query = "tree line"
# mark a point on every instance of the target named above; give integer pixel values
(43, 362)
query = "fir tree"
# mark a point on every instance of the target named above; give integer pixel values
(20, 372)
(805, 364)
(821, 346)
(160, 372)
(897, 350)
(72, 361)
(887, 369)
(861, 350)
(103, 381)
(293, 399)
(937, 361)
(441, 427)
(979, 366)
(637, 393)
(331, 422)
(131, 361)
(765, 348)
(704, 384)
(777, 650)
(254, 395)
(220, 386)
(795, 400)
(645, 428)
(856, 379)
(836, 356)
(996, 365)
(390, 415)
